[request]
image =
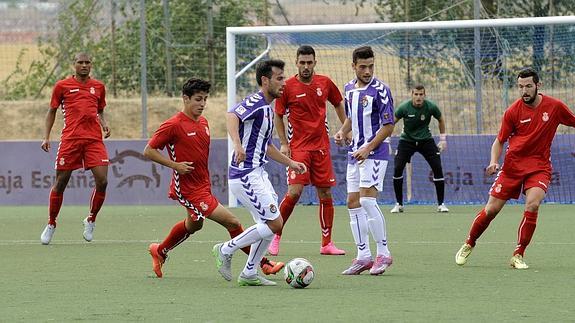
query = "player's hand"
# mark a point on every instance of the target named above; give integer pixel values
(298, 167)
(492, 169)
(339, 138)
(45, 145)
(442, 145)
(184, 167)
(107, 131)
(284, 149)
(240, 154)
(361, 154)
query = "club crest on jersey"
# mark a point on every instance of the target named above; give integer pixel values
(422, 117)
(62, 162)
(318, 91)
(273, 208)
(292, 174)
(241, 110)
(92, 90)
(545, 116)
(498, 188)
(364, 101)
(203, 206)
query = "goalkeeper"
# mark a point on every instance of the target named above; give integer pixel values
(416, 137)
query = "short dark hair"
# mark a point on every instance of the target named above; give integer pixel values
(195, 85)
(528, 72)
(419, 87)
(362, 52)
(305, 50)
(264, 68)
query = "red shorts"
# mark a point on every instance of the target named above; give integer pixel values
(199, 204)
(319, 169)
(508, 187)
(81, 153)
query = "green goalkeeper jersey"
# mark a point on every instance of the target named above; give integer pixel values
(416, 120)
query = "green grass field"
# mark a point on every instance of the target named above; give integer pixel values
(110, 279)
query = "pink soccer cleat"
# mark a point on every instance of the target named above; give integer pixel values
(380, 265)
(358, 266)
(331, 249)
(274, 248)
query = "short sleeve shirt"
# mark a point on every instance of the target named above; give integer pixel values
(416, 120)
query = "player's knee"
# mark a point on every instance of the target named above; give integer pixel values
(353, 203)
(193, 226)
(232, 224)
(295, 193)
(532, 206)
(275, 225)
(101, 184)
(492, 210)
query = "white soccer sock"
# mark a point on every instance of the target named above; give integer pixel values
(252, 234)
(359, 230)
(376, 224)
(257, 251)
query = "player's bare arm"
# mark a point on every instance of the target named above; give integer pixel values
(233, 125)
(340, 111)
(363, 152)
(442, 135)
(342, 136)
(273, 153)
(156, 156)
(496, 150)
(50, 118)
(281, 130)
(104, 124)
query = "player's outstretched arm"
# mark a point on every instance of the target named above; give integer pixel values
(496, 150)
(49, 123)
(156, 156)
(273, 153)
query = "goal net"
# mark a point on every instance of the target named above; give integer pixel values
(469, 68)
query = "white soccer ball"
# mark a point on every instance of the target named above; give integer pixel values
(298, 273)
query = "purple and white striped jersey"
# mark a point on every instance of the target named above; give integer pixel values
(369, 108)
(256, 130)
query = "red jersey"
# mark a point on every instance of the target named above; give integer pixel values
(305, 106)
(530, 132)
(186, 140)
(80, 105)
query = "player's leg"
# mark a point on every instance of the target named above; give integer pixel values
(286, 208)
(403, 155)
(432, 155)
(55, 203)
(95, 159)
(357, 223)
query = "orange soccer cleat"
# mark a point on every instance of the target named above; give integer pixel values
(271, 267)
(157, 259)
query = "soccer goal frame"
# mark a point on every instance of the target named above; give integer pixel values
(232, 32)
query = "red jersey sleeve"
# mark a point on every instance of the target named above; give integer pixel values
(102, 101)
(334, 96)
(566, 116)
(281, 102)
(506, 126)
(56, 96)
(162, 136)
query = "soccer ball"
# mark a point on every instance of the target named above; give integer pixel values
(298, 273)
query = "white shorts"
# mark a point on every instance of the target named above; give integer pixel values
(257, 194)
(366, 174)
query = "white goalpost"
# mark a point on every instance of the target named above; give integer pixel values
(443, 55)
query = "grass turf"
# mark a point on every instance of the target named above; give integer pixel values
(110, 279)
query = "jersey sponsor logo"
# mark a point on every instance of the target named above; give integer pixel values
(203, 206)
(105, 160)
(74, 90)
(332, 180)
(300, 95)
(193, 133)
(524, 121)
(545, 117)
(92, 90)
(318, 91)
(241, 110)
(273, 208)
(411, 115)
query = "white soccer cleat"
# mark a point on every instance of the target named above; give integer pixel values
(441, 208)
(47, 234)
(517, 262)
(88, 230)
(463, 254)
(398, 208)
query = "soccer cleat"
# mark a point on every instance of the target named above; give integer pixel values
(517, 262)
(441, 208)
(255, 280)
(380, 264)
(463, 253)
(223, 262)
(271, 267)
(157, 259)
(47, 234)
(398, 208)
(88, 230)
(358, 266)
(331, 249)
(274, 248)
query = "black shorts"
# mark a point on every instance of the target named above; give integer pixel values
(406, 149)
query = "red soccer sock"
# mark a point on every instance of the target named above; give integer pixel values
(479, 225)
(525, 232)
(56, 199)
(326, 219)
(96, 203)
(177, 235)
(286, 208)
(236, 232)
